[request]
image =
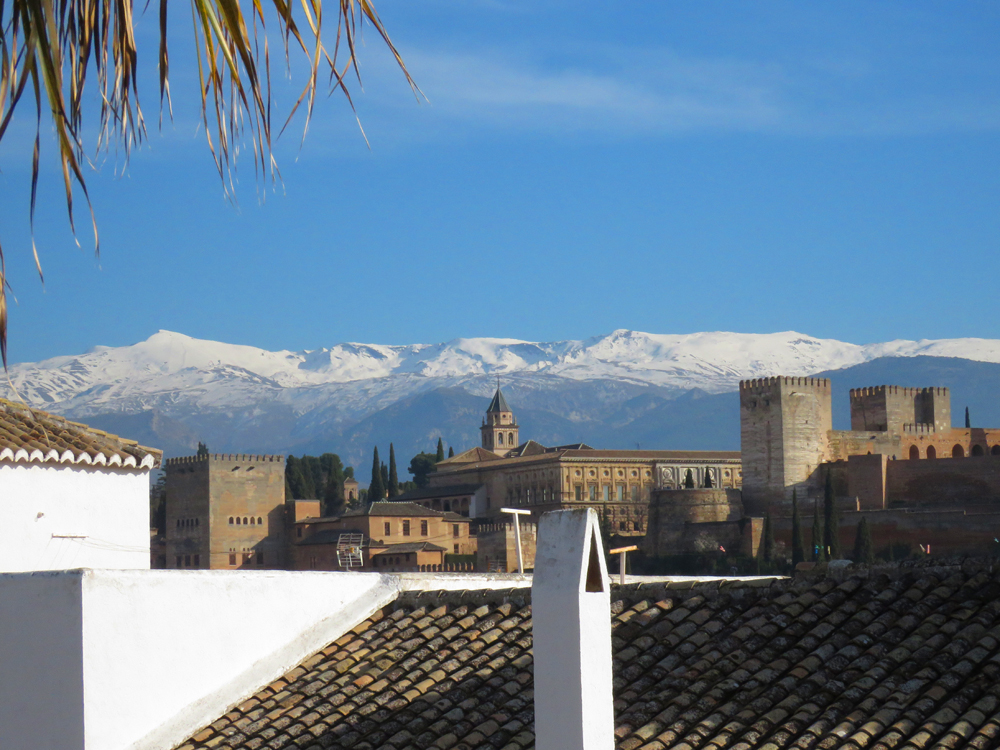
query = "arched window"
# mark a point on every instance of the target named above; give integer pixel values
(914, 452)
(931, 452)
(253, 521)
(510, 438)
(230, 520)
(499, 438)
(957, 452)
(977, 450)
(237, 521)
(260, 521)
(197, 522)
(244, 520)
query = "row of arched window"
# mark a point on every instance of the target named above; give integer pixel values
(246, 521)
(187, 523)
(510, 439)
(956, 452)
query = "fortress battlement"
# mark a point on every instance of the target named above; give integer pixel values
(182, 460)
(919, 428)
(896, 390)
(767, 383)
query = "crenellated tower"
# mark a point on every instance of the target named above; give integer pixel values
(785, 425)
(499, 430)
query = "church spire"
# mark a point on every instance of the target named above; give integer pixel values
(499, 430)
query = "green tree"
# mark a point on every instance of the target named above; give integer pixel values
(421, 465)
(798, 543)
(968, 422)
(312, 477)
(708, 480)
(864, 552)
(440, 452)
(393, 476)
(451, 451)
(56, 46)
(385, 477)
(202, 450)
(768, 539)
(376, 489)
(819, 548)
(688, 480)
(831, 520)
(296, 485)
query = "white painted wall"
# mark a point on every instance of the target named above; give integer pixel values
(571, 634)
(148, 657)
(105, 508)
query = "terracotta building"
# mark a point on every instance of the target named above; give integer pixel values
(386, 537)
(539, 478)
(226, 511)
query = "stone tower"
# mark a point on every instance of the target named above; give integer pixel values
(785, 428)
(500, 431)
(890, 408)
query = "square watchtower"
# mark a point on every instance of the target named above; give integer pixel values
(888, 408)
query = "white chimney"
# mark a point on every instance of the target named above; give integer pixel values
(571, 631)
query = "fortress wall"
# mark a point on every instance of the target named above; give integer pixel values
(672, 512)
(959, 482)
(784, 426)
(945, 530)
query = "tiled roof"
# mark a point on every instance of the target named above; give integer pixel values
(33, 436)
(469, 456)
(904, 660)
(498, 404)
(399, 549)
(392, 508)
(450, 490)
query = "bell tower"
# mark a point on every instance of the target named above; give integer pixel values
(499, 426)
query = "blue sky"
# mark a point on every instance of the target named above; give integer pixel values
(664, 166)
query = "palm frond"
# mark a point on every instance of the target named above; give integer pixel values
(52, 44)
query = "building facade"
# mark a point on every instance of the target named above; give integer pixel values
(226, 511)
(529, 475)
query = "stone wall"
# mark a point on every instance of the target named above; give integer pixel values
(784, 426)
(674, 514)
(497, 547)
(957, 482)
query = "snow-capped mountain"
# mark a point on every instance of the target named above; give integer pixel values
(234, 394)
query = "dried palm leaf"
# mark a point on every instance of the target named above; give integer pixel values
(52, 44)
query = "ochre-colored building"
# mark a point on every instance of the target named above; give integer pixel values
(538, 478)
(386, 536)
(225, 511)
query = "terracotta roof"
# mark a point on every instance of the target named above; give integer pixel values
(448, 490)
(906, 659)
(469, 456)
(398, 549)
(33, 436)
(391, 508)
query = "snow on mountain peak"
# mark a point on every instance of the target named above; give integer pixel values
(170, 365)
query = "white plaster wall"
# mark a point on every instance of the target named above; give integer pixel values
(106, 508)
(41, 668)
(571, 633)
(158, 654)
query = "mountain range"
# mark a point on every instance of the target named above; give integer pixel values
(615, 391)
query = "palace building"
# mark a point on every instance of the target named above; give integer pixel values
(504, 472)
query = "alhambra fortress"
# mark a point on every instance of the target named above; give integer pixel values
(919, 482)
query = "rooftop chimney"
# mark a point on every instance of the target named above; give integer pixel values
(571, 630)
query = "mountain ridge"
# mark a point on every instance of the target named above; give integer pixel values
(623, 387)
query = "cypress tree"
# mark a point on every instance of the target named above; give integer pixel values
(968, 423)
(768, 539)
(708, 480)
(451, 451)
(385, 477)
(819, 551)
(798, 543)
(688, 480)
(440, 451)
(393, 476)
(376, 490)
(863, 550)
(831, 520)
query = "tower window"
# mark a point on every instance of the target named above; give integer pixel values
(499, 438)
